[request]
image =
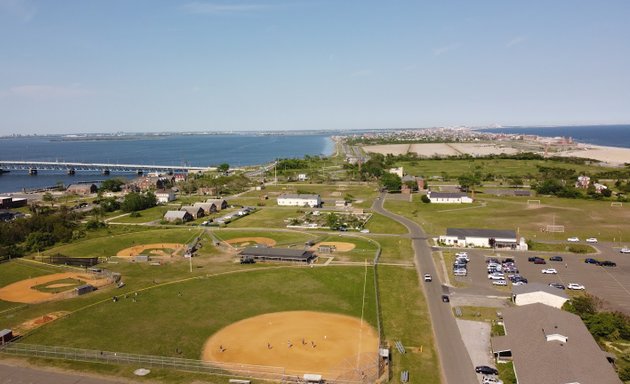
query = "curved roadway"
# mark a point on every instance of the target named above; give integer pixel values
(457, 368)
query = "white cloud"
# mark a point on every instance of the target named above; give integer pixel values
(198, 7)
(362, 73)
(515, 41)
(36, 91)
(23, 10)
(447, 48)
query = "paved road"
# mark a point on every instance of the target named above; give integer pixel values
(457, 367)
(25, 375)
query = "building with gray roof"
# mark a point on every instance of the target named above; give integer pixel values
(172, 216)
(480, 237)
(538, 293)
(548, 345)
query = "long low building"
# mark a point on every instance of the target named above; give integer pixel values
(449, 198)
(548, 345)
(538, 293)
(483, 238)
(299, 200)
(277, 254)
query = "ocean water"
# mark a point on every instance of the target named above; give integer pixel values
(607, 135)
(193, 150)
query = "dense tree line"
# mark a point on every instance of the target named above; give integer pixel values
(224, 185)
(42, 229)
(137, 202)
(605, 326)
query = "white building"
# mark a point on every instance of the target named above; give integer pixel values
(295, 200)
(538, 293)
(397, 171)
(165, 196)
(302, 177)
(482, 238)
(449, 198)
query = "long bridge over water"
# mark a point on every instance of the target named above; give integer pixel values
(70, 167)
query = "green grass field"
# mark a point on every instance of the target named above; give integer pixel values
(381, 224)
(207, 305)
(582, 218)
(498, 167)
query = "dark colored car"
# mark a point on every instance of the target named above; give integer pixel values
(508, 260)
(608, 263)
(589, 260)
(540, 260)
(556, 285)
(445, 298)
(486, 370)
(531, 258)
(555, 258)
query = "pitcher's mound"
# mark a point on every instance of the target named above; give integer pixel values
(300, 342)
(246, 241)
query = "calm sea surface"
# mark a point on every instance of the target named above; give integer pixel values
(198, 150)
(608, 135)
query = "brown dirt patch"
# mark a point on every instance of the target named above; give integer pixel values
(245, 241)
(60, 285)
(23, 292)
(38, 322)
(339, 246)
(138, 249)
(301, 342)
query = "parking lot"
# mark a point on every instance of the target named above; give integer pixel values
(611, 284)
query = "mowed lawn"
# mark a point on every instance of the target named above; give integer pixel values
(498, 167)
(282, 238)
(381, 224)
(110, 245)
(406, 318)
(582, 218)
(161, 321)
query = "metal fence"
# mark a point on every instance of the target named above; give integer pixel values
(268, 373)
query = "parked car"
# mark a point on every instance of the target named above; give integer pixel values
(460, 272)
(427, 277)
(486, 370)
(499, 282)
(365, 230)
(491, 380)
(496, 276)
(591, 240)
(555, 258)
(608, 263)
(550, 271)
(573, 239)
(540, 260)
(557, 285)
(590, 260)
(519, 282)
(445, 299)
(575, 286)
(508, 260)
(462, 254)
(625, 250)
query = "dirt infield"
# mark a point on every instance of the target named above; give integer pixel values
(246, 241)
(22, 291)
(301, 342)
(138, 249)
(339, 246)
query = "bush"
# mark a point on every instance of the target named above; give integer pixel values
(425, 199)
(135, 214)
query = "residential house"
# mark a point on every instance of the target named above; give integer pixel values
(549, 345)
(165, 196)
(583, 182)
(208, 208)
(195, 212)
(220, 204)
(397, 171)
(299, 200)
(172, 216)
(449, 198)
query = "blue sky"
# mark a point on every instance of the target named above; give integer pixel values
(151, 65)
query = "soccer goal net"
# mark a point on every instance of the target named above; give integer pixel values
(616, 204)
(533, 202)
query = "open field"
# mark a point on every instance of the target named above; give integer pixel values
(406, 318)
(498, 167)
(363, 249)
(111, 245)
(582, 218)
(147, 215)
(381, 224)
(267, 217)
(190, 319)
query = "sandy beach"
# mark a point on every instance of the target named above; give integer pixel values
(613, 156)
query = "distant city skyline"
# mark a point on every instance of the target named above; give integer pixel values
(168, 66)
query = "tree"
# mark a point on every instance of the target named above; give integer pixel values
(391, 182)
(49, 198)
(113, 185)
(469, 181)
(425, 199)
(332, 221)
(223, 167)
(515, 181)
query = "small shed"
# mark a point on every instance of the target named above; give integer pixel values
(326, 248)
(83, 289)
(312, 378)
(141, 258)
(6, 335)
